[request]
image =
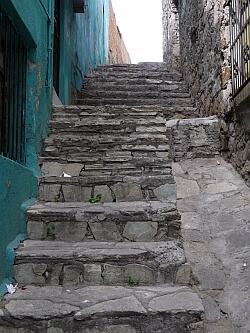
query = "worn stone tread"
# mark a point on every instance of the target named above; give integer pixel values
(97, 309)
(53, 263)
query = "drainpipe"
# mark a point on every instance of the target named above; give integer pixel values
(49, 12)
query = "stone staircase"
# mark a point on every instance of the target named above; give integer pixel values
(104, 251)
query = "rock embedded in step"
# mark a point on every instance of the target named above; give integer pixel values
(105, 231)
(166, 192)
(127, 192)
(131, 274)
(105, 191)
(140, 231)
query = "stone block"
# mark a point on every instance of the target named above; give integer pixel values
(131, 274)
(35, 230)
(105, 192)
(48, 192)
(105, 231)
(127, 192)
(53, 274)
(70, 231)
(54, 330)
(140, 231)
(56, 169)
(30, 273)
(166, 192)
(112, 329)
(92, 274)
(72, 193)
(72, 275)
(184, 274)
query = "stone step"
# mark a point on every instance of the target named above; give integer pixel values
(114, 111)
(102, 309)
(130, 93)
(136, 73)
(97, 263)
(138, 85)
(116, 221)
(107, 162)
(76, 144)
(102, 125)
(114, 186)
(135, 101)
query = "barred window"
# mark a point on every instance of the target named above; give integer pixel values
(240, 43)
(13, 73)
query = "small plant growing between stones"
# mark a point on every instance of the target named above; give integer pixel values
(96, 199)
(132, 282)
(121, 240)
(48, 231)
(56, 198)
(133, 240)
(40, 285)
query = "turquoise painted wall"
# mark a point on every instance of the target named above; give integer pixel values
(19, 184)
(84, 43)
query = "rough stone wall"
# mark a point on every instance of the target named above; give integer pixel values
(205, 53)
(171, 45)
(204, 37)
(118, 53)
(237, 131)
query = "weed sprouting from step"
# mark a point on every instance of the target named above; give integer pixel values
(133, 240)
(48, 231)
(40, 285)
(56, 198)
(96, 199)
(121, 240)
(133, 282)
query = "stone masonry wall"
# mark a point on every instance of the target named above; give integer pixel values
(171, 45)
(118, 53)
(205, 53)
(204, 38)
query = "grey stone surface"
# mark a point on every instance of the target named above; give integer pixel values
(127, 305)
(216, 240)
(166, 192)
(93, 274)
(140, 231)
(129, 274)
(105, 231)
(127, 192)
(38, 309)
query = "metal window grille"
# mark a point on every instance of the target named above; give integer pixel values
(13, 73)
(240, 43)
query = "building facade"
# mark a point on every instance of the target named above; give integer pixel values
(213, 41)
(44, 45)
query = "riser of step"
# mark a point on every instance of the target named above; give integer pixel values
(118, 111)
(110, 75)
(103, 309)
(112, 187)
(135, 101)
(128, 221)
(100, 93)
(70, 147)
(112, 127)
(61, 263)
(143, 136)
(141, 85)
(107, 164)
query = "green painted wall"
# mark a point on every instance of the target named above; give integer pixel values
(19, 184)
(84, 43)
